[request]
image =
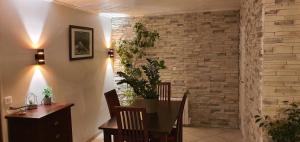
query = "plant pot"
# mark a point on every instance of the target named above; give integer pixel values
(47, 101)
(151, 105)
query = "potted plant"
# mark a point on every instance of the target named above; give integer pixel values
(284, 129)
(47, 92)
(145, 84)
(141, 78)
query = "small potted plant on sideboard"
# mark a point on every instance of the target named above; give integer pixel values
(47, 92)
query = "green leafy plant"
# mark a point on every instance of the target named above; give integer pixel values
(128, 97)
(284, 129)
(145, 86)
(47, 92)
(133, 49)
(142, 79)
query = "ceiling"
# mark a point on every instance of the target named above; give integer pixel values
(150, 7)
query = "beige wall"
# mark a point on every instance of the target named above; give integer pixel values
(80, 82)
(1, 136)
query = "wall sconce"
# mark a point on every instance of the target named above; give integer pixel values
(110, 53)
(40, 57)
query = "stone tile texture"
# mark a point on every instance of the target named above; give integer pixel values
(194, 134)
(269, 62)
(251, 67)
(201, 51)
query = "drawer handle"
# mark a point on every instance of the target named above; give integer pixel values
(57, 136)
(56, 123)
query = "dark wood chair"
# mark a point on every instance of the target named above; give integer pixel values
(164, 91)
(112, 101)
(132, 124)
(176, 133)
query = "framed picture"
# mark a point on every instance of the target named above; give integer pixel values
(81, 42)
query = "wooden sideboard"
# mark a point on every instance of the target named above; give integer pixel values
(47, 123)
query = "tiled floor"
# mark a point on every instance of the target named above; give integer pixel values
(191, 134)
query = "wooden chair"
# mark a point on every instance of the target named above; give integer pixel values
(131, 124)
(176, 133)
(164, 91)
(112, 101)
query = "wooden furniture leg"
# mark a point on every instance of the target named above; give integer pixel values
(165, 139)
(181, 135)
(107, 136)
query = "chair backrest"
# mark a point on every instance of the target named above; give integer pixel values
(179, 119)
(112, 100)
(164, 91)
(182, 107)
(131, 124)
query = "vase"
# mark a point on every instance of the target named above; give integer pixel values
(151, 105)
(47, 101)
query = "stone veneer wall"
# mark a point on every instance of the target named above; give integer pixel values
(202, 55)
(281, 54)
(250, 67)
(281, 74)
(276, 74)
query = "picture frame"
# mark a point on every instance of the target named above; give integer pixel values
(81, 42)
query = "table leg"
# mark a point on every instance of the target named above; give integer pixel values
(107, 136)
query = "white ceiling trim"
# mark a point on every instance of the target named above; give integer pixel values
(73, 6)
(117, 14)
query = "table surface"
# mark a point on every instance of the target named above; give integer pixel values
(40, 112)
(161, 122)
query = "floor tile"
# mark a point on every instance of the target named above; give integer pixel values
(199, 134)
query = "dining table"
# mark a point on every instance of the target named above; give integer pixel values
(159, 124)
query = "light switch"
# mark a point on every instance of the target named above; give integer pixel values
(8, 100)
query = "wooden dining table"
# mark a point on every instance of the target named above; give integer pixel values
(159, 123)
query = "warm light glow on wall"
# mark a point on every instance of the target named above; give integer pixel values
(37, 83)
(108, 43)
(109, 63)
(106, 28)
(33, 14)
(109, 75)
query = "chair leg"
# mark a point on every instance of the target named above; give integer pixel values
(107, 137)
(181, 132)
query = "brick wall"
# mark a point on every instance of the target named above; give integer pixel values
(250, 67)
(275, 26)
(201, 54)
(281, 54)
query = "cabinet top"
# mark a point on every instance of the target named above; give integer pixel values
(40, 112)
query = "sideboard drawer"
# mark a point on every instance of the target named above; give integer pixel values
(46, 124)
(58, 126)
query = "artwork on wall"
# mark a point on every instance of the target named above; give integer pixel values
(81, 40)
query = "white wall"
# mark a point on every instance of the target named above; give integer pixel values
(35, 23)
